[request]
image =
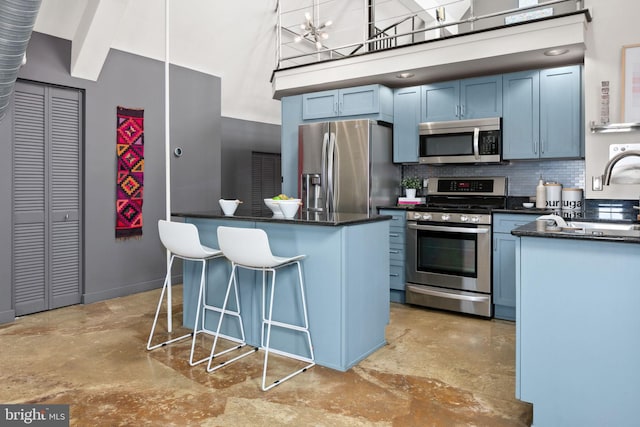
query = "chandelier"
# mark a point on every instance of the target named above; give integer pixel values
(313, 32)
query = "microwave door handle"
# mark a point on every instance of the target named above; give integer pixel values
(476, 143)
(449, 229)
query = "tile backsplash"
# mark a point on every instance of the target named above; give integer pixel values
(522, 175)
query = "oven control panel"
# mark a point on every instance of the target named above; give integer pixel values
(450, 217)
(485, 186)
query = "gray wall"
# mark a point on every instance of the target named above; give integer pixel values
(239, 139)
(115, 268)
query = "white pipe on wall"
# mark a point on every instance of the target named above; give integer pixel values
(167, 152)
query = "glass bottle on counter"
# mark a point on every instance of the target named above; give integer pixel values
(541, 195)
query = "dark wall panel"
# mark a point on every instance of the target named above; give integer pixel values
(239, 139)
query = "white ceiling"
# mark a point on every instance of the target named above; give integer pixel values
(234, 40)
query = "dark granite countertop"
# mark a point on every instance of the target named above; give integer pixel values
(523, 210)
(593, 210)
(311, 218)
(533, 229)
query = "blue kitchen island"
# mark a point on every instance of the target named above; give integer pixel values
(346, 275)
(577, 326)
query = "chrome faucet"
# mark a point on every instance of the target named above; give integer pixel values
(615, 159)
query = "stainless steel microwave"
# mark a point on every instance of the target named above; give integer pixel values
(461, 141)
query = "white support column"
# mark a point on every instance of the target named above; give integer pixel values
(167, 146)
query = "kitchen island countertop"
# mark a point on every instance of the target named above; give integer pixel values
(310, 218)
(531, 230)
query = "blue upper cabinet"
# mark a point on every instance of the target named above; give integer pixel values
(481, 97)
(440, 101)
(462, 99)
(372, 101)
(521, 120)
(561, 130)
(406, 117)
(543, 114)
(320, 105)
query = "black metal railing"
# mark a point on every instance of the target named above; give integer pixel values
(388, 37)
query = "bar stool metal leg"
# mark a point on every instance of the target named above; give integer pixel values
(270, 322)
(241, 343)
(167, 283)
(201, 296)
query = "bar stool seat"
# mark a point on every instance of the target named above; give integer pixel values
(249, 248)
(182, 240)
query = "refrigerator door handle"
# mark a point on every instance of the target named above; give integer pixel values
(323, 171)
(330, 173)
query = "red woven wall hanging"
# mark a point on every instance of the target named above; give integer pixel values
(130, 153)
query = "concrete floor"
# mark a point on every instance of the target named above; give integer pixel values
(438, 369)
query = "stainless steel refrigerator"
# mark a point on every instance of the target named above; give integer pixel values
(346, 166)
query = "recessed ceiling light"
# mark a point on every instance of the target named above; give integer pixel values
(556, 52)
(405, 75)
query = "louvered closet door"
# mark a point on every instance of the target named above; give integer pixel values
(46, 197)
(64, 185)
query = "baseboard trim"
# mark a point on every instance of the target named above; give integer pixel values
(7, 316)
(134, 288)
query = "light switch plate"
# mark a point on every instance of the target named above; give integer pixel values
(596, 183)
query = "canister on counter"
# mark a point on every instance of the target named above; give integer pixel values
(554, 195)
(571, 199)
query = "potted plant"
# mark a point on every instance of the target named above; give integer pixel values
(411, 184)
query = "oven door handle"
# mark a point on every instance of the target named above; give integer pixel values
(449, 295)
(445, 228)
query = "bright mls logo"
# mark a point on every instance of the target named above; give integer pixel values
(34, 415)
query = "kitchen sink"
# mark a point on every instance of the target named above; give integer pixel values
(603, 226)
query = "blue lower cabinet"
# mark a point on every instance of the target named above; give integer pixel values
(577, 341)
(504, 263)
(396, 254)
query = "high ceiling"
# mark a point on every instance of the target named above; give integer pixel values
(232, 40)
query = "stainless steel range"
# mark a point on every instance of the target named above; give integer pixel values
(449, 244)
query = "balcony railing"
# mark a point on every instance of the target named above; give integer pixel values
(319, 30)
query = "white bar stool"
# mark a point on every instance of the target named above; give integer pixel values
(183, 241)
(249, 248)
